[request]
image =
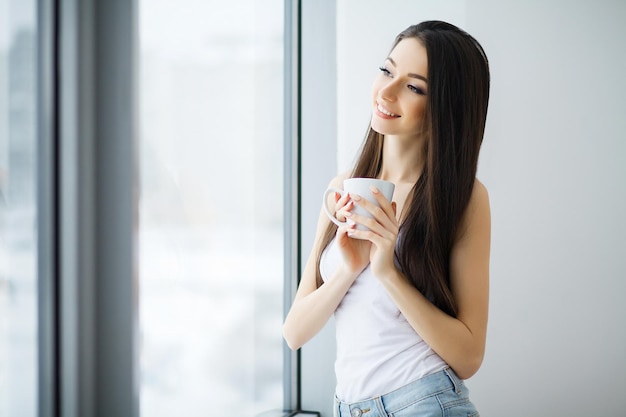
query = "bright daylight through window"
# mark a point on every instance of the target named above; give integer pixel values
(18, 237)
(211, 221)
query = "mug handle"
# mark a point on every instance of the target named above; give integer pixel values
(330, 215)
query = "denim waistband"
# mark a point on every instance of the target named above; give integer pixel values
(427, 386)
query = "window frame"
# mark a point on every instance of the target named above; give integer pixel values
(291, 193)
(88, 361)
(87, 209)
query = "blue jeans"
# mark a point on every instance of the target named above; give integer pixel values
(441, 394)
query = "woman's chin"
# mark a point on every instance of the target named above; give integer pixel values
(379, 127)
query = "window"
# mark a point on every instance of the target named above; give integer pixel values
(211, 207)
(18, 237)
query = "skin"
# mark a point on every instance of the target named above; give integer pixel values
(459, 341)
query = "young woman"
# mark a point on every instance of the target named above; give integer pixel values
(409, 295)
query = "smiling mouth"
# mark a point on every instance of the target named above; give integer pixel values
(386, 112)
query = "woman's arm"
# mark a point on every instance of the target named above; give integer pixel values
(312, 306)
(459, 341)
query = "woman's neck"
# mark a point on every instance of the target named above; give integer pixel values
(403, 159)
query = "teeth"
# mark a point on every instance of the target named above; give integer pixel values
(385, 111)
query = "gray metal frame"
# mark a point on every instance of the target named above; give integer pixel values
(291, 195)
(47, 265)
(310, 149)
(88, 209)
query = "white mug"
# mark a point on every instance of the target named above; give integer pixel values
(360, 186)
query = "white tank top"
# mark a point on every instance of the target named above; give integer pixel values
(377, 349)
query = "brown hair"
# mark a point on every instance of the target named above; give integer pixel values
(456, 112)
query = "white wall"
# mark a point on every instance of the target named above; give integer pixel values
(553, 160)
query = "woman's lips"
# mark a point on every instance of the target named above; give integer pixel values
(385, 113)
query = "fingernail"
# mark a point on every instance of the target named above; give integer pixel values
(347, 214)
(374, 189)
(356, 197)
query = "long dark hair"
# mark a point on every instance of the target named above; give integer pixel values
(456, 112)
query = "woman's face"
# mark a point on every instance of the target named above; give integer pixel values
(399, 91)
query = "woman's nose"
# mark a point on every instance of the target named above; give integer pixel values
(389, 90)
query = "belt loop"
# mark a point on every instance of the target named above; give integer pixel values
(456, 382)
(381, 406)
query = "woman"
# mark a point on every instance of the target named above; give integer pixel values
(409, 295)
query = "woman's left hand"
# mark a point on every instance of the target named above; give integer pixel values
(383, 231)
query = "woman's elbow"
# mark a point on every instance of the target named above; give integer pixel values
(469, 367)
(291, 338)
(292, 344)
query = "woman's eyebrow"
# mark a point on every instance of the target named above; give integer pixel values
(410, 74)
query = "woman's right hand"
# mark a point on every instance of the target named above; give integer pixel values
(355, 252)
(313, 304)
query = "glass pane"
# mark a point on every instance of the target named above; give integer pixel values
(211, 222)
(18, 244)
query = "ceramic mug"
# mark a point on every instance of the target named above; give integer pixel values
(360, 186)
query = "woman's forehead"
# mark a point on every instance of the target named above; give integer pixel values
(410, 56)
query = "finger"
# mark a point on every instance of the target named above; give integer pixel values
(385, 204)
(343, 234)
(386, 218)
(387, 230)
(385, 213)
(343, 197)
(342, 201)
(369, 235)
(359, 234)
(342, 212)
(380, 242)
(342, 231)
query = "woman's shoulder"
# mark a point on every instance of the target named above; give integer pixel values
(478, 212)
(479, 200)
(337, 182)
(479, 193)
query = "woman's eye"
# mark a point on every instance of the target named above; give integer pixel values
(385, 71)
(417, 90)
